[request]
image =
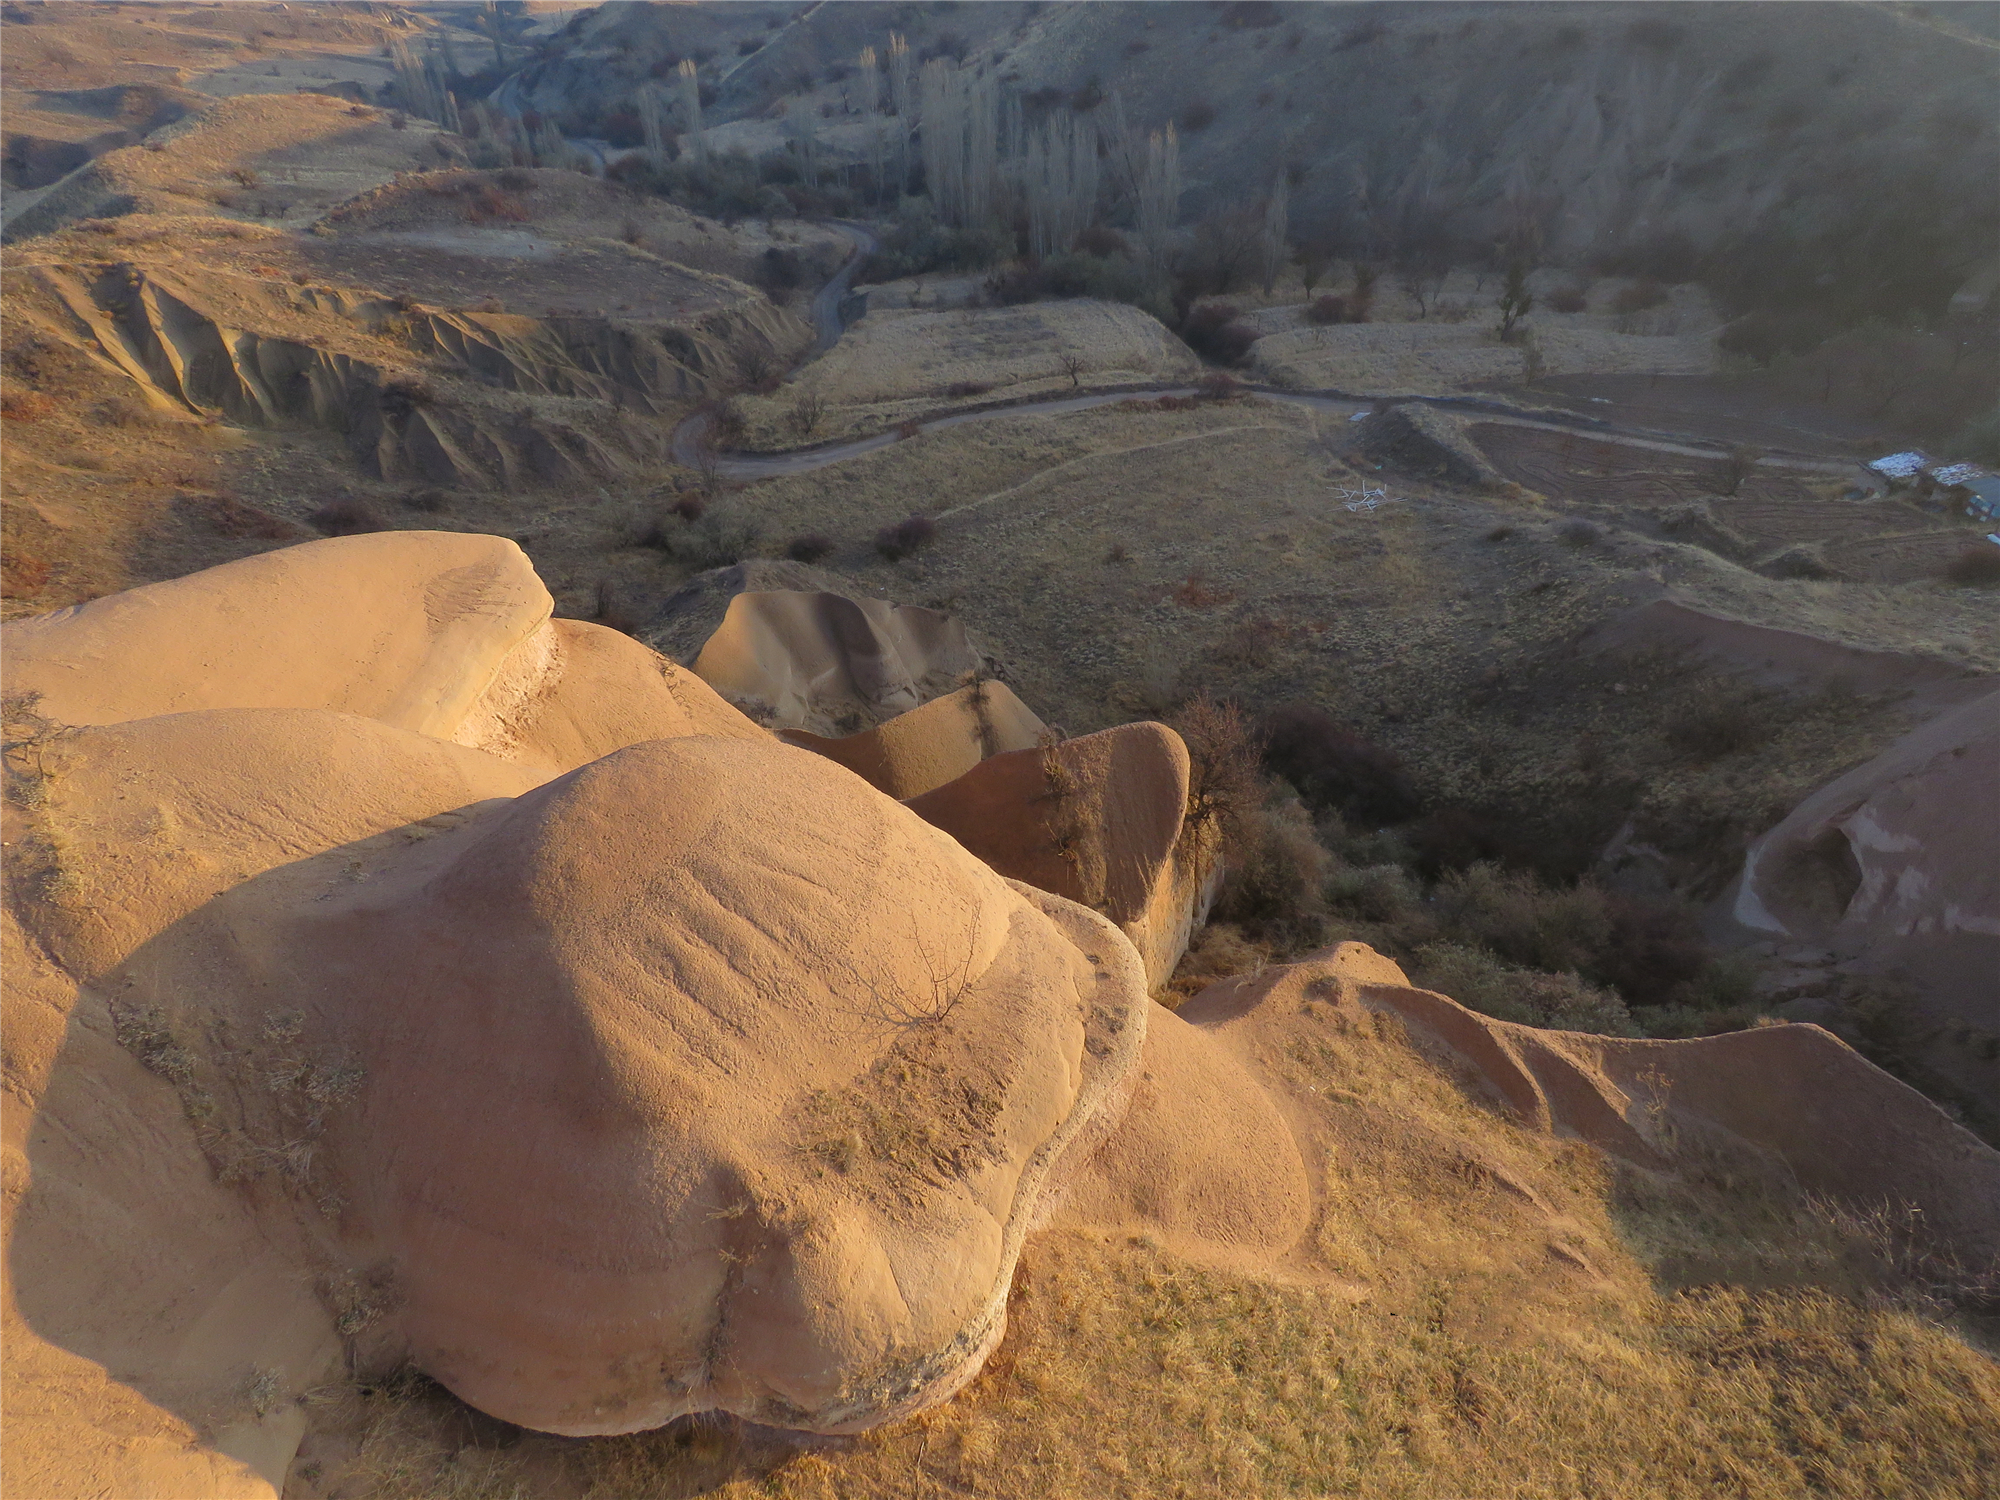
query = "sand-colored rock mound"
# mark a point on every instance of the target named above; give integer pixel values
(1420, 439)
(936, 742)
(693, 612)
(1792, 1097)
(813, 660)
(443, 633)
(158, 1326)
(264, 351)
(1099, 820)
(188, 167)
(792, 1118)
(411, 628)
(788, 1073)
(1202, 1156)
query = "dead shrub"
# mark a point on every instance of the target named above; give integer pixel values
(1216, 386)
(1327, 309)
(1639, 296)
(1722, 726)
(1739, 466)
(1213, 333)
(26, 406)
(1569, 299)
(725, 420)
(429, 501)
(1527, 997)
(348, 516)
(21, 572)
(716, 538)
(1274, 888)
(809, 548)
(228, 516)
(1514, 915)
(613, 611)
(1224, 783)
(489, 205)
(959, 389)
(1977, 567)
(808, 408)
(902, 538)
(1333, 768)
(905, 430)
(1196, 592)
(1451, 838)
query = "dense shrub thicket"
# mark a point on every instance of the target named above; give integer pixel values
(1326, 840)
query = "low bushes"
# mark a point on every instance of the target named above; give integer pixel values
(809, 548)
(1430, 891)
(1978, 566)
(1333, 768)
(1213, 333)
(902, 538)
(348, 516)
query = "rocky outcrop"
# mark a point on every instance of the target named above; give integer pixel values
(924, 748)
(442, 633)
(1100, 820)
(822, 660)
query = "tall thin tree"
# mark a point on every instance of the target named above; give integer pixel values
(690, 82)
(1275, 246)
(1159, 195)
(651, 110)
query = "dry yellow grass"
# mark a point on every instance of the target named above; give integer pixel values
(1479, 1311)
(897, 364)
(1435, 358)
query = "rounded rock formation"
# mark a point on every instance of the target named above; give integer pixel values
(703, 1078)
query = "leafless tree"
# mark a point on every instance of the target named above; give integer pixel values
(1058, 173)
(1072, 366)
(808, 408)
(1314, 259)
(961, 123)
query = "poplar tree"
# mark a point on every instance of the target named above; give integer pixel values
(691, 111)
(1276, 224)
(651, 107)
